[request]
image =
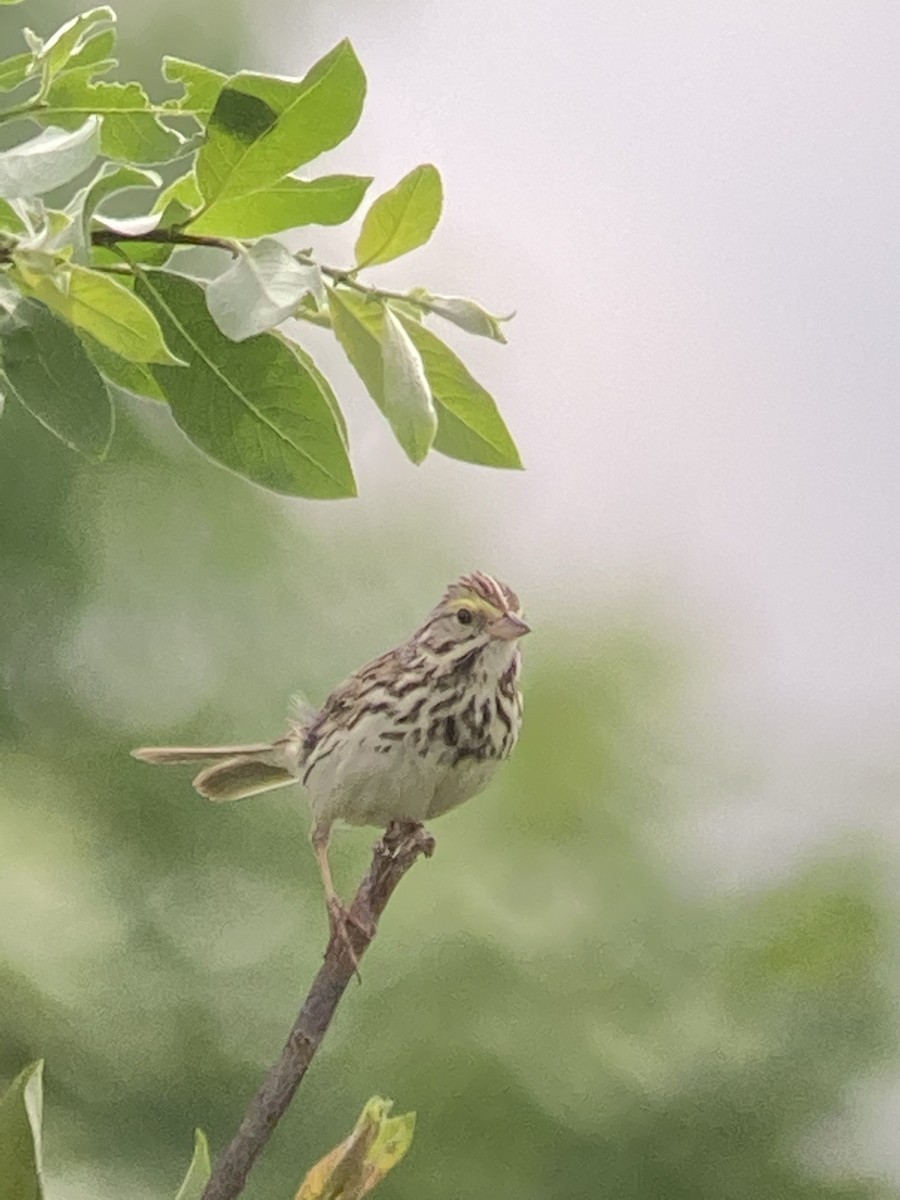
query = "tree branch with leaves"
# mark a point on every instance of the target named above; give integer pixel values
(99, 301)
(92, 303)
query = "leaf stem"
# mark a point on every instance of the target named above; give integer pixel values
(177, 237)
(27, 108)
(339, 276)
(36, 107)
(168, 237)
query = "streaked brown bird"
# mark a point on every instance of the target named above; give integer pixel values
(412, 734)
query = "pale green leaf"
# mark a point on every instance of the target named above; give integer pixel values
(133, 377)
(110, 180)
(358, 325)
(113, 179)
(21, 1115)
(10, 221)
(49, 231)
(97, 52)
(402, 219)
(153, 254)
(469, 425)
(48, 160)
(466, 314)
(15, 71)
(200, 87)
(407, 397)
(179, 199)
(408, 308)
(10, 299)
(253, 406)
(131, 131)
(198, 1172)
(103, 307)
(388, 365)
(54, 54)
(49, 373)
(261, 288)
(262, 127)
(130, 227)
(330, 200)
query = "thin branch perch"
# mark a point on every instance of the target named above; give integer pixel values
(393, 856)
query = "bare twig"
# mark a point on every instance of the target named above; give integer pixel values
(393, 856)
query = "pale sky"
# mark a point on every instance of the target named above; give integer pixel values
(693, 209)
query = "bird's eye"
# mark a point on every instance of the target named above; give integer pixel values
(464, 616)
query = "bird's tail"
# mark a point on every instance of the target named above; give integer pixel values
(236, 771)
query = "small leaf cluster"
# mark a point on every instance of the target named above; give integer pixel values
(350, 1171)
(91, 301)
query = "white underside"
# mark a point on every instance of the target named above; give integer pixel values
(365, 788)
(361, 786)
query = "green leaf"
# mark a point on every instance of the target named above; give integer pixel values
(407, 396)
(401, 219)
(262, 128)
(325, 387)
(358, 325)
(260, 290)
(469, 425)
(48, 160)
(14, 71)
(21, 1114)
(96, 52)
(467, 314)
(132, 377)
(104, 308)
(330, 200)
(253, 406)
(153, 254)
(198, 1172)
(131, 131)
(109, 181)
(179, 200)
(10, 221)
(10, 1)
(49, 373)
(10, 298)
(388, 365)
(54, 54)
(200, 87)
(112, 179)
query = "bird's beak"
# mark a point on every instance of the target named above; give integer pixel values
(509, 627)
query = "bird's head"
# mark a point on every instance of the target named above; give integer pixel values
(476, 614)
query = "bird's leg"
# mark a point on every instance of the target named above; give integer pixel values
(338, 916)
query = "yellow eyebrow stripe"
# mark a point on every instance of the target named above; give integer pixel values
(477, 603)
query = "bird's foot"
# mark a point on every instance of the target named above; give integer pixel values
(339, 919)
(407, 837)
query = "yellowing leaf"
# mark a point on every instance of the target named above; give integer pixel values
(352, 1169)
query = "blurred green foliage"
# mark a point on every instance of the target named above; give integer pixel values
(568, 1015)
(565, 1013)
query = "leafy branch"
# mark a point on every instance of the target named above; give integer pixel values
(113, 290)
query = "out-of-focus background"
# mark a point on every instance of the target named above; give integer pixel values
(658, 958)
